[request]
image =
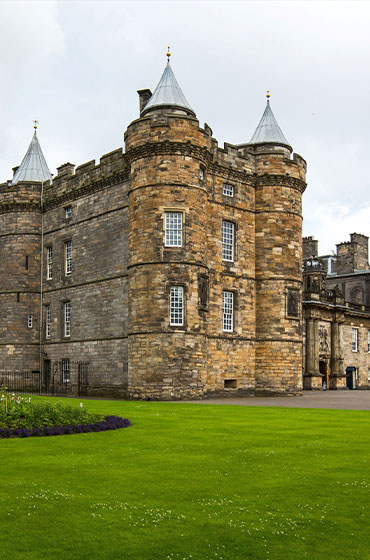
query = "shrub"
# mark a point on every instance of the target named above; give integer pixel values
(21, 417)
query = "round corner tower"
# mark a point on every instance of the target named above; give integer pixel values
(167, 153)
(20, 249)
(280, 183)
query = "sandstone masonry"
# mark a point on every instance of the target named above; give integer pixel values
(173, 268)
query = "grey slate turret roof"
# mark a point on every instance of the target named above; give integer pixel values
(268, 130)
(33, 166)
(167, 93)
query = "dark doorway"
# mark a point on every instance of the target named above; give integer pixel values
(323, 369)
(350, 377)
(83, 378)
(47, 375)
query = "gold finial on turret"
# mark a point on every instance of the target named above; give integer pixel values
(168, 53)
(268, 95)
(35, 123)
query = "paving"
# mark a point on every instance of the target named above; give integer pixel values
(345, 400)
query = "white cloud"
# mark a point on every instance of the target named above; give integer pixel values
(76, 67)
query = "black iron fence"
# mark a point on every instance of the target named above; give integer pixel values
(20, 382)
(58, 378)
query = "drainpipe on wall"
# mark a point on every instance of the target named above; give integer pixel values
(41, 285)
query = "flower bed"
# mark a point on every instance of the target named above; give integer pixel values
(109, 423)
(21, 417)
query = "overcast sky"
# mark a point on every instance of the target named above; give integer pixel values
(76, 66)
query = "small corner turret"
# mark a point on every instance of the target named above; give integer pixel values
(167, 95)
(33, 167)
(268, 131)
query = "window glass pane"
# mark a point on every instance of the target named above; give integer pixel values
(228, 311)
(49, 263)
(173, 229)
(227, 190)
(47, 321)
(227, 241)
(68, 257)
(354, 340)
(177, 305)
(67, 318)
(66, 370)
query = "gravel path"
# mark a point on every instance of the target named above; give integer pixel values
(346, 400)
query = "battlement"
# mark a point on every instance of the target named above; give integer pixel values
(70, 179)
(22, 193)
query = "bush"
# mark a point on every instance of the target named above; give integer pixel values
(21, 417)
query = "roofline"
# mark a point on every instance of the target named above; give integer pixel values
(167, 106)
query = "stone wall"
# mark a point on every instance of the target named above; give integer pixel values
(20, 233)
(97, 286)
(361, 358)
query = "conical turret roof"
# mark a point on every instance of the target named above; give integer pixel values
(167, 93)
(33, 166)
(268, 130)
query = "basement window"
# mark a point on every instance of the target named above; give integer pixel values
(230, 384)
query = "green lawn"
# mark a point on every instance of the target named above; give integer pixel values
(189, 481)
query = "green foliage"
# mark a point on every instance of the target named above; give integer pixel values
(194, 482)
(23, 412)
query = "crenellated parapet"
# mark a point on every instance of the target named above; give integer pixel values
(71, 184)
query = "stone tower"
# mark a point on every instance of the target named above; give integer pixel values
(20, 249)
(181, 180)
(167, 258)
(279, 184)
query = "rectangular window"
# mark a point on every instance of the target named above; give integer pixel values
(26, 263)
(68, 257)
(47, 321)
(177, 306)
(368, 341)
(227, 311)
(227, 190)
(354, 340)
(66, 370)
(67, 318)
(29, 321)
(227, 241)
(173, 229)
(368, 375)
(68, 210)
(49, 263)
